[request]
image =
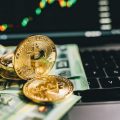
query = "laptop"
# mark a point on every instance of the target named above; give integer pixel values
(93, 26)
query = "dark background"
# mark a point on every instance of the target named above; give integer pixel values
(81, 17)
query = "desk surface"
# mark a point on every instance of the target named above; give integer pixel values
(105, 111)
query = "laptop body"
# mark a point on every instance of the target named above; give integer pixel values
(95, 28)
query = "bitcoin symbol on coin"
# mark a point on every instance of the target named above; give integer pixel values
(33, 59)
(36, 56)
(48, 88)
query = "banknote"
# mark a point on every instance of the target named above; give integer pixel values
(68, 64)
(17, 107)
(14, 106)
(2, 49)
(5, 50)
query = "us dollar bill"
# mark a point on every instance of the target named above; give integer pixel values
(5, 50)
(68, 64)
(14, 106)
(17, 107)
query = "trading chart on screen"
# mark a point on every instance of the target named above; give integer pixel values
(40, 16)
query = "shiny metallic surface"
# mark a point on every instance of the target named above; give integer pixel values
(48, 89)
(34, 57)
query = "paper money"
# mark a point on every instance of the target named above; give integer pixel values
(17, 107)
(2, 50)
(69, 64)
(5, 50)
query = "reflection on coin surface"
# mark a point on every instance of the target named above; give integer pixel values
(9, 74)
(48, 89)
(6, 67)
(34, 56)
(6, 61)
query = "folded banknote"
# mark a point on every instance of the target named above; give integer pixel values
(17, 107)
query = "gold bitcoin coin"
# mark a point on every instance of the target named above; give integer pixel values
(48, 89)
(6, 67)
(35, 56)
(6, 62)
(9, 74)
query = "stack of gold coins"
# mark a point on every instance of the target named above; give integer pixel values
(6, 67)
(32, 61)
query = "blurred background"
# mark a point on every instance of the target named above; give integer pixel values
(72, 20)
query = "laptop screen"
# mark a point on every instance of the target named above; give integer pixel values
(83, 18)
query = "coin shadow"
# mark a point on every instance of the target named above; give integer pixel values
(26, 100)
(23, 98)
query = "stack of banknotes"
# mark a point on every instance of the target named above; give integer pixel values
(15, 106)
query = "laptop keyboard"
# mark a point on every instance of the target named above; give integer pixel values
(102, 69)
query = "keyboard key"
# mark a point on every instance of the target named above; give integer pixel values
(88, 60)
(103, 59)
(98, 59)
(102, 69)
(93, 73)
(109, 82)
(88, 64)
(93, 83)
(112, 72)
(116, 56)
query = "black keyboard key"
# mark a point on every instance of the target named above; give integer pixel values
(98, 59)
(93, 83)
(103, 59)
(116, 56)
(112, 72)
(87, 59)
(117, 61)
(86, 54)
(102, 69)
(93, 73)
(109, 82)
(88, 63)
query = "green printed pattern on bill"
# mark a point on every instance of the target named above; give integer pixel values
(68, 64)
(17, 107)
(14, 106)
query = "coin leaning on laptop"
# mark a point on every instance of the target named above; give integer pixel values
(32, 60)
